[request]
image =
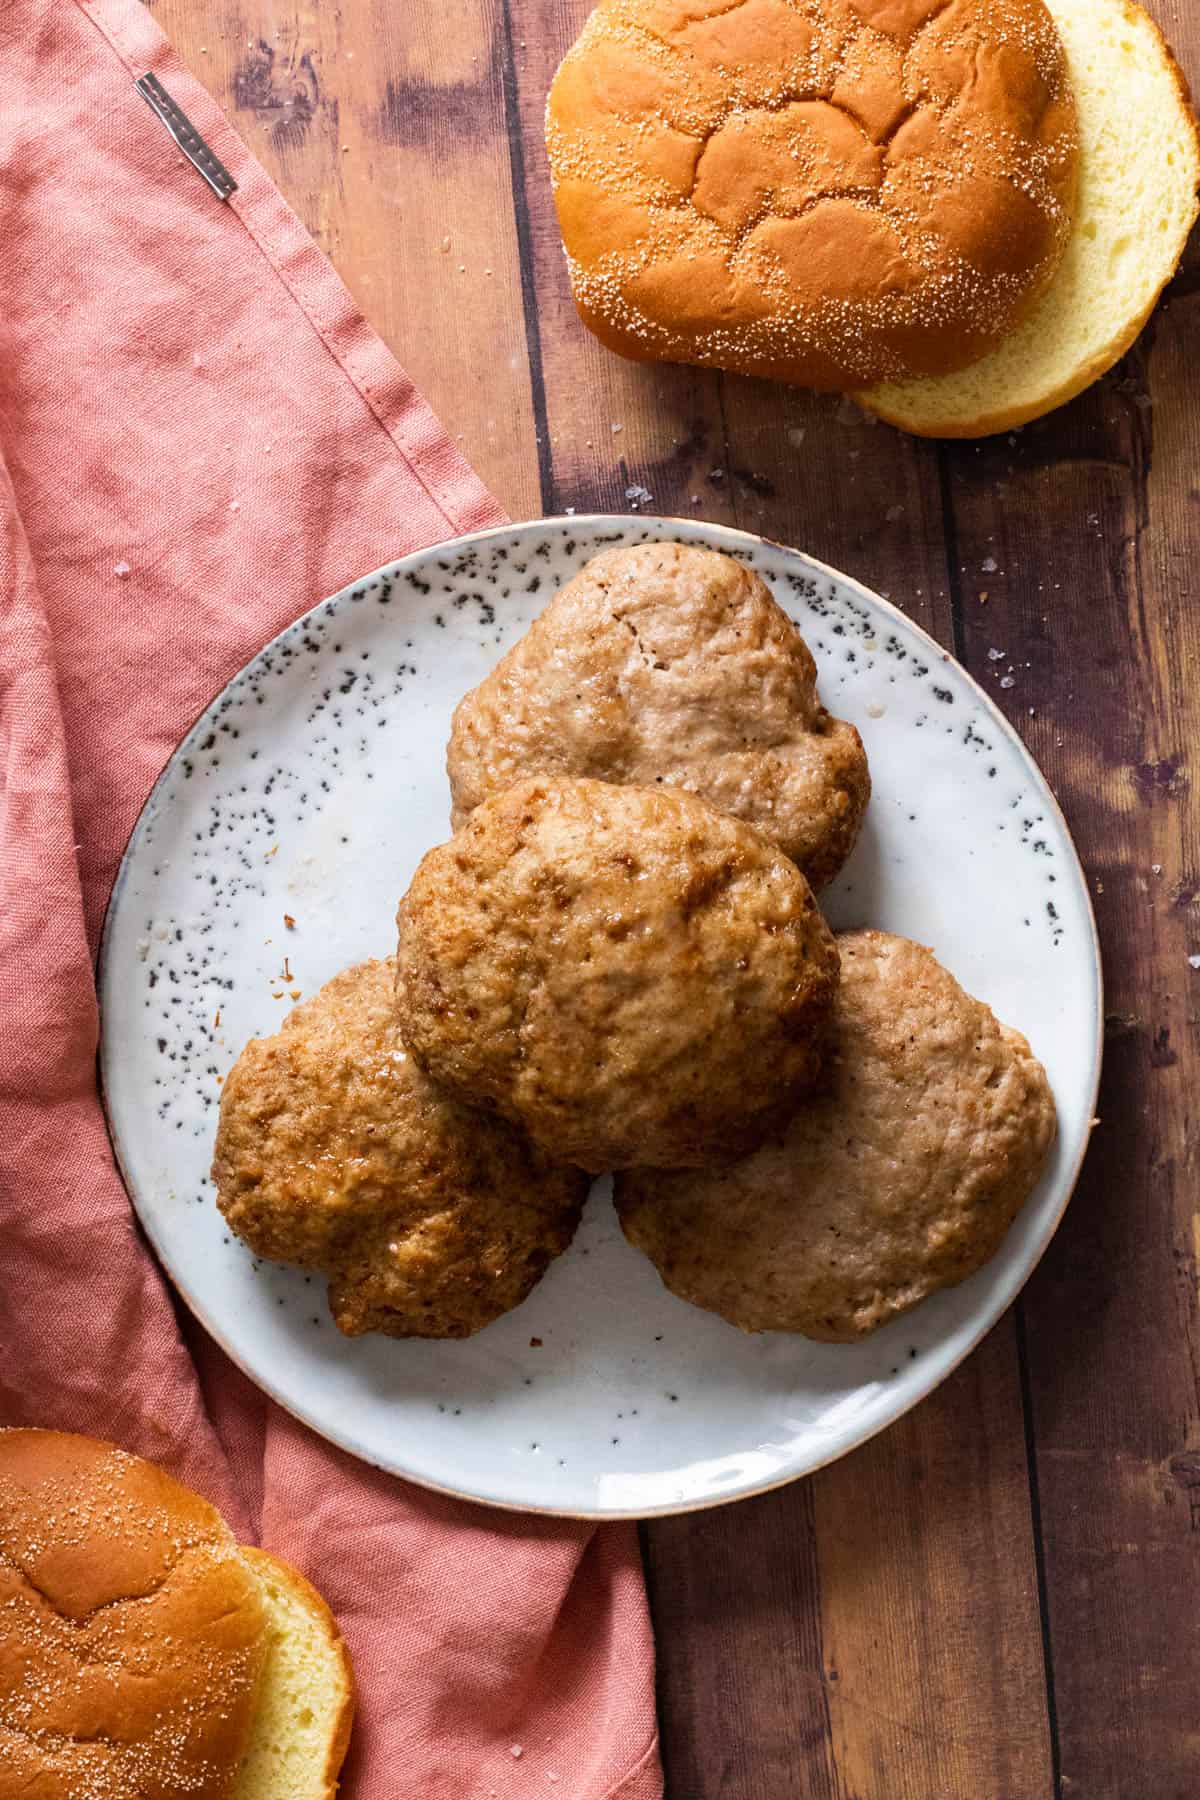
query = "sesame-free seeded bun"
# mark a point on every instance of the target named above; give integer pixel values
(143, 1655)
(133, 1634)
(827, 192)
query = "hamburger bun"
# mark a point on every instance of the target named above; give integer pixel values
(143, 1656)
(1140, 172)
(826, 192)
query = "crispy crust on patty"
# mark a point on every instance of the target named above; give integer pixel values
(336, 1152)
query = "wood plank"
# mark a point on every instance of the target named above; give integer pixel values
(1101, 502)
(610, 427)
(872, 1633)
(386, 129)
(742, 1689)
(930, 1599)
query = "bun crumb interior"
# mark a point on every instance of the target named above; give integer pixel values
(306, 1696)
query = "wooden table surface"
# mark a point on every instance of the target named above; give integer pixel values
(999, 1599)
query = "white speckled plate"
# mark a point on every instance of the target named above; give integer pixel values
(311, 788)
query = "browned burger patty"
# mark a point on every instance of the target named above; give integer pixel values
(336, 1152)
(671, 663)
(632, 976)
(901, 1178)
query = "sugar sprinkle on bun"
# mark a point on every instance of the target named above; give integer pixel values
(671, 663)
(1140, 173)
(827, 192)
(142, 1653)
(133, 1634)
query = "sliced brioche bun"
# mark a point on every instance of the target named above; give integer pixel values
(808, 190)
(142, 1654)
(132, 1633)
(306, 1699)
(1140, 172)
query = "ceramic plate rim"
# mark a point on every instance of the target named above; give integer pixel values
(989, 1315)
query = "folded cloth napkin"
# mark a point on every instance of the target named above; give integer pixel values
(200, 438)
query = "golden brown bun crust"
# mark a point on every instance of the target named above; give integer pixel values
(133, 1633)
(335, 1152)
(902, 1177)
(316, 1605)
(827, 192)
(632, 975)
(1000, 413)
(671, 663)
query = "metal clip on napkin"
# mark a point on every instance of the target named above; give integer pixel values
(186, 136)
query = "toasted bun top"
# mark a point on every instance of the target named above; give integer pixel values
(825, 191)
(132, 1634)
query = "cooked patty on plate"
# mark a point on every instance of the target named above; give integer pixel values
(336, 1152)
(902, 1177)
(632, 976)
(671, 663)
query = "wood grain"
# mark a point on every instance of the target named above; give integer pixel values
(386, 129)
(873, 1632)
(998, 1599)
(1108, 1327)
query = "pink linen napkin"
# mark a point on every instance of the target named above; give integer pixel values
(199, 438)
